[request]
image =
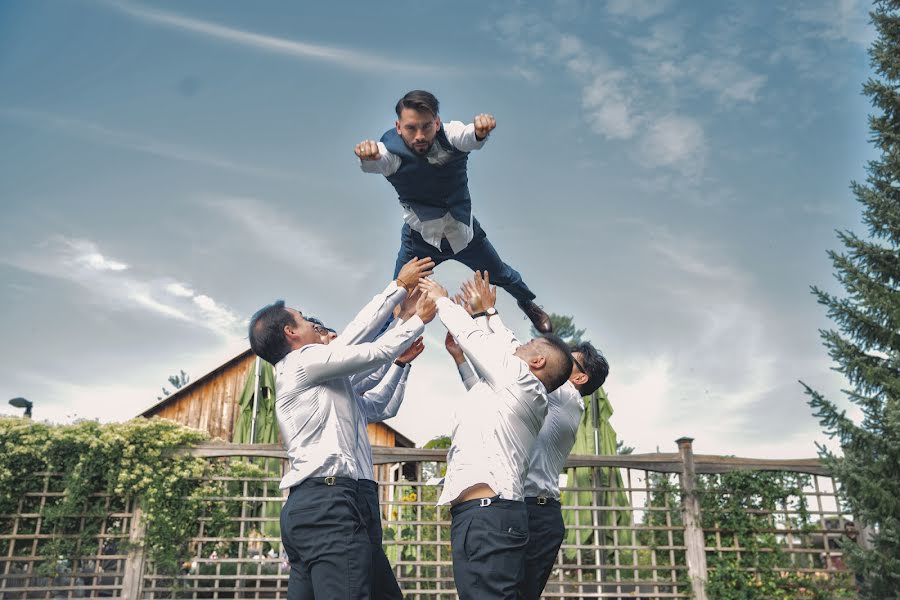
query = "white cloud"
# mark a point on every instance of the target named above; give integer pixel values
(608, 109)
(341, 57)
(845, 20)
(287, 240)
(674, 141)
(80, 262)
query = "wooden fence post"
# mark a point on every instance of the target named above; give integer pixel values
(695, 551)
(133, 579)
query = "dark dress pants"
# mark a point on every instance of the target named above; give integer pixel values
(324, 534)
(479, 255)
(384, 583)
(488, 544)
(546, 531)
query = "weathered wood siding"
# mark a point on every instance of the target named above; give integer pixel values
(211, 404)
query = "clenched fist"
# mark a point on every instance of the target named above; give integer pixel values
(484, 124)
(368, 150)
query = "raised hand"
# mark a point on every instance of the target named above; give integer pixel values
(453, 348)
(481, 282)
(412, 352)
(484, 124)
(433, 289)
(413, 272)
(368, 150)
(426, 308)
(461, 300)
(407, 308)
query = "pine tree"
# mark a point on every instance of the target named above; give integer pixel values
(867, 348)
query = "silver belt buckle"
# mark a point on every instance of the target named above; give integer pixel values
(485, 502)
(329, 480)
(541, 500)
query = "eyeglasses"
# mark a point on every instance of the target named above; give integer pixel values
(319, 326)
(578, 364)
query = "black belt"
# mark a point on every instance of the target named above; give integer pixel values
(330, 481)
(542, 501)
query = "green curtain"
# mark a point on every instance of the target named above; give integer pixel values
(608, 477)
(266, 433)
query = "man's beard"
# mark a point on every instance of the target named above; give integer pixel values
(422, 150)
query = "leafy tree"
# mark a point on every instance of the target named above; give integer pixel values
(564, 327)
(867, 347)
(178, 381)
(621, 448)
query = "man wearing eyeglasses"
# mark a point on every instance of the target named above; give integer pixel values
(554, 442)
(322, 526)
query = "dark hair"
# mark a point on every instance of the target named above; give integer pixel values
(595, 367)
(419, 101)
(266, 332)
(318, 322)
(559, 366)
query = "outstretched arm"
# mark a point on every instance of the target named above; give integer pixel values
(468, 376)
(492, 361)
(369, 321)
(384, 400)
(472, 136)
(374, 157)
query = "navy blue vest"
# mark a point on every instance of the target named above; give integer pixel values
(431, 189)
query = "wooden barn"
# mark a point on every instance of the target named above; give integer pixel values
(210, 403)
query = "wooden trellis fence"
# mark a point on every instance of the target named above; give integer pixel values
(635, 530)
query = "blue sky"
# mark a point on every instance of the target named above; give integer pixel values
(669, 173)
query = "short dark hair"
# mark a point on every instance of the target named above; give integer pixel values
(266, 332)
(560, 364)
(595, 367)
(419, 101)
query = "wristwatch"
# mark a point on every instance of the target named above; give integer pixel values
(489, 312)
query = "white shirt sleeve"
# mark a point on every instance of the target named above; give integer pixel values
(375, 402)
(467, 374)
(319, 362)
(368, 322)
(462, 136)
(386, 164)
(492, 361)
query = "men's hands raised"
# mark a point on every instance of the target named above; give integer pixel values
(412, 352)
(433, 289)
(484, 124)
(453, 348)
(368, 150)
(406, 309)
(426, 308)
(413, 272)
(478, 293)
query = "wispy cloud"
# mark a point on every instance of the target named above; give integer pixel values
(299, 245)
(637, 9)
(80, 261)
(133, 141)
(341, 57)
(846, 20)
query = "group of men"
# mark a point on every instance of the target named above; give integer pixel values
(512, 429)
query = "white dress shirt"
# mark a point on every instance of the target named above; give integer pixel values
(498, 419)
(462, 137)
(557, 435)
(315, 405)
(554, 442)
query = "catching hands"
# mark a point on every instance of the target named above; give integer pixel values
(368, 150)
(406, 309)
(453, 348)
(426, 308)
(433, 289)
(484, 124)
(413, 272)
(412, 352)
(479, 294)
